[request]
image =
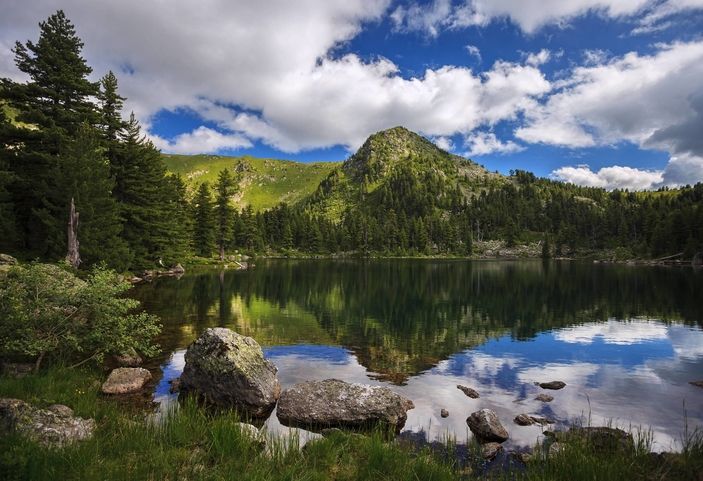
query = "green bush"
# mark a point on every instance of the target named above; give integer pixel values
(48, 312)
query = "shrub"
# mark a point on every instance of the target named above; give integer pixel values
(46, 311)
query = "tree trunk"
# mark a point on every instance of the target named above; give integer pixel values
(73, 257)
(222, 253)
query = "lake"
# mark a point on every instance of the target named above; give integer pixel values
(626, 339)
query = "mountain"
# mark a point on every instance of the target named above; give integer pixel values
(400, 169)
(263, 183)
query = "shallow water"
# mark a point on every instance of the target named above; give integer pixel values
(627, 340)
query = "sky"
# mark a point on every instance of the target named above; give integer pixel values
(605, 93)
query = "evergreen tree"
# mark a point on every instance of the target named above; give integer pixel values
(111, 122)
(84, 175)
(203, 222)
(225, 190)
(56, 101)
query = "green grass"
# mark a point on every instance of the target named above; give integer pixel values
(191, 443)
(263, 182)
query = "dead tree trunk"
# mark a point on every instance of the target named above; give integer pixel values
(73, 257)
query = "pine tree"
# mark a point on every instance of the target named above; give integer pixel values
(203, 222)
(84, 175)
(56, 101)
(225, 189)
(8, 239)
(111, 122)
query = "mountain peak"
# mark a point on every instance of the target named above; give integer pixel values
(386, 148)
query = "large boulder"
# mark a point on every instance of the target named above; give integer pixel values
(54, 426)
(599, 438)
(227, 369)
(486, 426)
(126, 380)
(334, 403)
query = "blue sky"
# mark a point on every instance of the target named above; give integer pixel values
(596, 92)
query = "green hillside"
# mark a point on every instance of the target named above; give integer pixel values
(263, 183)
(399, 162)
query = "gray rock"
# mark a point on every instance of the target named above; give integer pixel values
(7, 260)
(486, 426)
(126, 380)
(546, 398)
(554, 385)
(175, 385)
(600, 438)
(227, 369)
(472, 393)
(444, 413)
(251, 433)
(490, 450)
(55, 426)
(129, 359)
(335, 403)
(528, 420)
(523, 420)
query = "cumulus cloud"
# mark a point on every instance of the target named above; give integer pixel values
(444, 143)
(474, 51)
(483, 143)
(202, 140)
(615, 177)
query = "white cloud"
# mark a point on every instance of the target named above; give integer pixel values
(539, 58)
(423, 18)
(474, 52)
(483, 143)
(595, 56)
(656, 18)
(615, 177)
(444, 143)
(614, 332)
(202, 140)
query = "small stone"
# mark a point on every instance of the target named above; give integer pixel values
(250, 432)
(524, 457)
(472, 393)
(545, 398)
(175, 385)
(486, 426)
(444, 413)
(125, 380)
(523, 420)
(697, 383)
(490, 450)
(330, 432)
(554, 385)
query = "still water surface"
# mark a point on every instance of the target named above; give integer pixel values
(627, 340)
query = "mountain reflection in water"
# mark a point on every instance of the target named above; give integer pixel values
(626, 340)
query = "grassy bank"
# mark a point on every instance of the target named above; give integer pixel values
(190, 444)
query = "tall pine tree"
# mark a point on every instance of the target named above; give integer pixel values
(225, 190)
(203, 222)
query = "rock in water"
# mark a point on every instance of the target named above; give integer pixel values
(554, 385)
(129, 358)
(335, 403)
(229, 370)
(126, 380)
(54, 426)
(486, 426)
(696, 383)
(472, 393)
(523, 420)
(490, 450)
(545, 398)
(444, 413)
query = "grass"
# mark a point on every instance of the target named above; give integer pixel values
(264, 183)
(193, 444)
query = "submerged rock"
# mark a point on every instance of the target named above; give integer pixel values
(554, 385)
(697, 383)
(227, 369)
(175, 385)
(335, 403)
(490, 450)
(545, 398)
(444, 413)
(54, 426)
(528, 420)
(472, 393)
(486, 426)
(126, 380)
